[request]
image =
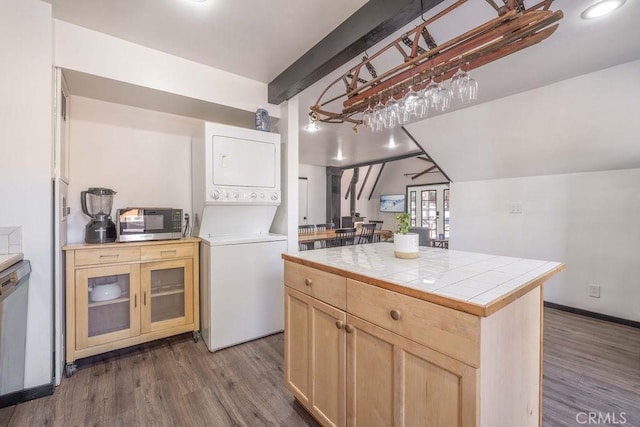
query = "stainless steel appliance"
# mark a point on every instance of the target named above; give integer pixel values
(14, 291)
(97, 203)
(140, 224)
(236, 185)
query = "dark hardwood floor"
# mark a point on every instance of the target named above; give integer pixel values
(589, 366)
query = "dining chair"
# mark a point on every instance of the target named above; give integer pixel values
(325, 227)
(366, 233)
(345, 236)
(378, 223)
(306, 229)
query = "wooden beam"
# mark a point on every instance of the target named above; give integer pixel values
(426, 154)
(424, 172)
(370, 24)
(385, 160)
(377, 179)
(366, 176)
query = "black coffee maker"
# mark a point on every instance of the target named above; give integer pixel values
(97, 203)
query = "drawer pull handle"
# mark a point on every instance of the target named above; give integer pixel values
(110, 256)
(135, 300)
(308, 282)
(348, 328)
(339, 324)
(145, 298)
(395, 314)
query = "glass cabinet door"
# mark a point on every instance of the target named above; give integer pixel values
(107, 304)
(167, 298)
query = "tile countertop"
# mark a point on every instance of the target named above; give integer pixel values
(7, 260)
(473, 282)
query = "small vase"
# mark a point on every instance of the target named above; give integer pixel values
(406, 245)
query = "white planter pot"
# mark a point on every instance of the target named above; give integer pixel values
(405, 245)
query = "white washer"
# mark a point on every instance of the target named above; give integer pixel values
(242, 288)
(236, 194)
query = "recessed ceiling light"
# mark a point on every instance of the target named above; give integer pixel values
(601, 8)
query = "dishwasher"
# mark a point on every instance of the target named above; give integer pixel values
(14, 290)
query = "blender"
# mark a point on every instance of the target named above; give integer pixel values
(97, 203)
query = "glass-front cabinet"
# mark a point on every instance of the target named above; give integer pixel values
(107, 304)
(167, 300)
(124, 294)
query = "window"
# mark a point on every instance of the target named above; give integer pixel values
(412, 207)
(429, 211)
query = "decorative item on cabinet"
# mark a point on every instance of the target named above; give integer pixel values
(123, 294)
(405, 244)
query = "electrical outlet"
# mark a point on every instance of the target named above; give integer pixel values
(516, 208)
(594, 291)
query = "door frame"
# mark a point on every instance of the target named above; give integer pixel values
(439, 202)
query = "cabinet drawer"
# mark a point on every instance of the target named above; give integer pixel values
(326, 287)
(446, 330)
(149, 253)
(107, 256)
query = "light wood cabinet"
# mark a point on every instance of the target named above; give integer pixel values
(315, 346)
(360, 355)
(124, 294)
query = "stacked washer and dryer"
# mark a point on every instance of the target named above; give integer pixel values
(236, 192)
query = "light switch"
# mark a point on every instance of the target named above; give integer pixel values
(516, 208)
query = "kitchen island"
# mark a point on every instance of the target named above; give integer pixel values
(451, 338)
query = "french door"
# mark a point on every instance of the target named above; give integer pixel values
(429, 207)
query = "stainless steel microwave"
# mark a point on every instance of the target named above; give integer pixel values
(140, 224)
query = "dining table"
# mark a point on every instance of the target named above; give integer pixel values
(327, 235)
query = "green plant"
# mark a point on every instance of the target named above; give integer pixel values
(403, 222)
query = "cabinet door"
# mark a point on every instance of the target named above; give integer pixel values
(395, 381)
(167, 294)
(107, 304)
(315, 356)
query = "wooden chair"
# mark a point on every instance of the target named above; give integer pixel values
(366, 233)
(306, 229)
(325, 227)
(378, 223)
(345, 236)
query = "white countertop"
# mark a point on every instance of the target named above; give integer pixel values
(474, 278)
(7, 260)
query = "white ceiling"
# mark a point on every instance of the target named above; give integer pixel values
(259, 40)
(254, 39)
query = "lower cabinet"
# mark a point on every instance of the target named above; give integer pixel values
(129, 293)
(347, 371)
(315, 355)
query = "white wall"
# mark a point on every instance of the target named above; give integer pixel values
(286, 218)
(316, 192)
(145, 167)
(91, 52)
(590, 221)
(395, 177)
(25, 150)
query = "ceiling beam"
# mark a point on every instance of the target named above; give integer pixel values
(370, 24)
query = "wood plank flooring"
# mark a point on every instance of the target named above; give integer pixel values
(589, 366)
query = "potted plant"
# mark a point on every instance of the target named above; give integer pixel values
(405, 244)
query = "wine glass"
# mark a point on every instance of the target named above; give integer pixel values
(431, 93)
(379, 116)
(444, 97)
(469, 90)
(409, 102)
(392, 113)
(367, 117)
(422, 104)
(457, 83)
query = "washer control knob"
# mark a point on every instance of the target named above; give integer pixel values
(215, 194)
(254, 196)
(236, 195)
(274, 196)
